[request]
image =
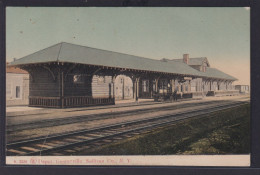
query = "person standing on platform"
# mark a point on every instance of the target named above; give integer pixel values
(175, 95)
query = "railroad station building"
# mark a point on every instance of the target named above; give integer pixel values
(68, 75)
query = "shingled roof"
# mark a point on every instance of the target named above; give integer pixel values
(215, 73)
(71, 53)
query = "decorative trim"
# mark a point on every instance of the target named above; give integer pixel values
(70, 69)
(53, 76)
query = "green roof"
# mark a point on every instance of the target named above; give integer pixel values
(71, 53)
(215, 73)
(193, 61)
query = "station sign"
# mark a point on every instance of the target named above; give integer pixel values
(187, 78)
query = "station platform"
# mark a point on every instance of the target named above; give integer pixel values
(26, 110)
(22, 115)
(133, 101)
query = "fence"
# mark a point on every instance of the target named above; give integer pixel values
(77, 101)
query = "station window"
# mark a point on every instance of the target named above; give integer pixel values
(145, 85)
(17, 94)
(78, 79)
(186, 88)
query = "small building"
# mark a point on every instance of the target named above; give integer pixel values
(243, 89)
(69, 75)
(17, 86)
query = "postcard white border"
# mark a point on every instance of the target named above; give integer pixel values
(168, 160)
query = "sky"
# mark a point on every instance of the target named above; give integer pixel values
(222, 34)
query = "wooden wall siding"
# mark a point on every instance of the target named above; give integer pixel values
(102, 89)
(214, 86)
(230, 87)
(193, 84)
(196, 84)
(205, 86)
(43, 83)
(77, 89)
(199, 84)
(222, 86)
(83, 88)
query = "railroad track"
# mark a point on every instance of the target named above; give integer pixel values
(53, 143)
(92, 117)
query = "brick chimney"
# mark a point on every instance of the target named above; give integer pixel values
(186, 58)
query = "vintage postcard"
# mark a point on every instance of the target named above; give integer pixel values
(166, 86)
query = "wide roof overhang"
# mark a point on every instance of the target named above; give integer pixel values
(64, 53)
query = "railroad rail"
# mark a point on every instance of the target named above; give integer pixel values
(49, 144)
(92, 117)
